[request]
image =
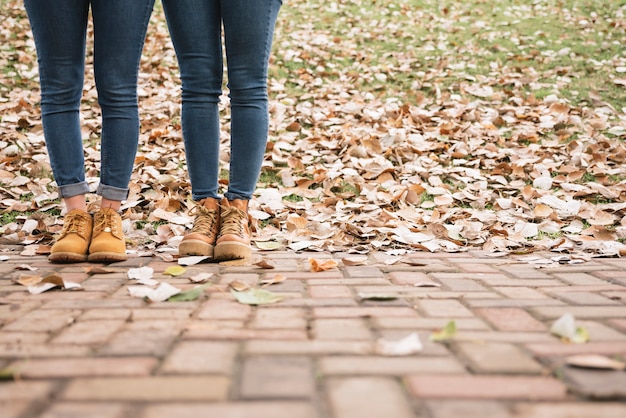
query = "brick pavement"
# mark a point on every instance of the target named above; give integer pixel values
(101, 353)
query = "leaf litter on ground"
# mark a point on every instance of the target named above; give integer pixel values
(395, 126)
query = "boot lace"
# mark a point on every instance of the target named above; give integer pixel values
(205, 220)
(74, 224)
(232, 221)
(105, 221)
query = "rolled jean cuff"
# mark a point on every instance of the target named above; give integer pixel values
(112, 193)
(235, 196)
(70, 190)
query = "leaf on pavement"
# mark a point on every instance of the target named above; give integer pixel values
(256, 296)
(446, 333)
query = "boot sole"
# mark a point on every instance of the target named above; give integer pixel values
(65, 257)
(195, 247)
(107, 257)
(231, 251)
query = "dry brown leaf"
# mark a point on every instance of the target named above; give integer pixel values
(322, 265)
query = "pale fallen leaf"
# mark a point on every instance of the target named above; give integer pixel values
(446, 333)
(201, 277)
(268, 245)
(408, 345)
(264, 264)
(159, 294)
(594, 361)
(256, 296)
(354, 260)
(192, 260)
(26, 267)
(273, 280)
(189, 295)
(238, 285)
(143, 275)
(175, 271)
(565, 328)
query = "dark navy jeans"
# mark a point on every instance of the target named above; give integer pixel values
(196, 30)
(59, 28)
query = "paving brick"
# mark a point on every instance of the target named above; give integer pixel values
(363, 271)
(224, 309)
(160, 313)
(510, 319)
(11, 311)
(27, 350)
(570, 410)
(24, 337)
(580, 279)
(372, 397)
(307, 347)
(341, 329)
(276, 409)
(504, 336)
(408, 277)
(520, 292)
(246, 334)
(354, 312)
(498, 358)
(84, 304)
(485, 387)
(13, 409)
(200, 357)
(88, 410)
(279, 377)
(140, 343)
(110, 314)
(348, 282)
(89, 332)
(25, 390)
(580, 312)
(444, 308)
(560, 349)
(467, 409)
(462, 285)
(271, 318)
(43, 321)
(340, 291)
(148, 389)
(618, 323)
(512, 303)
(474, 267)
(574, 288)
(595, 384)
(399, 366)
(75, 367)
(428, 323)
(584, 298)
(600, 332)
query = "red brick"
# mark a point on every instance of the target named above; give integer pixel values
(371, 365)
(498, 358)
(74, 367)
(157, 388)
(475, 267)
(486, 387)
(88, 410)
(330, 292)
(224, 309)
(25, 391)
(246, 334)
(110, 314)
(13, 409)
(618, 323)
(510, 319)
(43, 321)
(584, 298)
(271, 318)
(560, 349)
(341, 329)
(89, 332)
(581, 312)
(408, 277)
(355, 312)
(140, 342)
(467, 409)
(274, 409)
(371, 397)
(281, 377)
(570, 410)
(306, 347)
(444, 308)
(26, 350)
(428, 323)
(24, 337)
(580, 279)
(519, 292)
(204, 357)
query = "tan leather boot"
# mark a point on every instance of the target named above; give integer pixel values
(201, 239)
(107, 242)
(73, 243)
(234, 240)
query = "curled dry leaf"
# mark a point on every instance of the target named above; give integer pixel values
(354, 260)
(279, 278)
(264, 264)
(201, 277)
(322, 265)
(594, 361)
(238, 286)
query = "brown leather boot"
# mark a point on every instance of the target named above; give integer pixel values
(107, 243)
(73, 243)
(234, 240)
(201, 239)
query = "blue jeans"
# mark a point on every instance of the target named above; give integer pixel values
(196, 30)
(59, 28)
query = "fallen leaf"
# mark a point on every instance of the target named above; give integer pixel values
(189, 295)
(565, 328)
(201, 277)
(448, 332)
(238, 285)
(354, 260)
(322, 265)
(175, 271)
(256, 296)
(192, 260)
(159, 294)
(264, 264)
(594, 361)
(279, 278)
(408, 345)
